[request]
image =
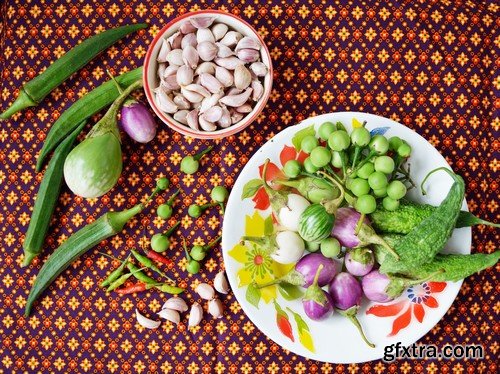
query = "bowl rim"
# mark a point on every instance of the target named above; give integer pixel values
(185, 130)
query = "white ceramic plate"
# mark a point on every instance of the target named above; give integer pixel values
(336, 340)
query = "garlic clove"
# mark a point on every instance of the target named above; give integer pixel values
(170, 70)
(170, 83)
(189, 39)
(231, 38)
(206, 125)
(209, 102)
(184, 75)
(259, 68)
(165, 103)
(207, 51)
(205, 291)
(242, 77)
(191, 96)
(190, 56)
(161, 69)
(225, 119)
(195, 315)
(245, 108)
(224, 76)
(211, 83)
(181, 116)
(170, 315)
(213, 114)
(248, 55)
(175, 40)
(257, 90)
(219, 30)
(236, 100)
(187, 27)
(181, 102)
(205, 67)
(247, 42)
(199, 89)
(224, 51)
(192, 119)
(146, 322)
(215, 308)
(233, 91)
(175, 303)
(202, 22)
(229, 63)
(165, 48)
(204, 35)
(174, 57)
(236, 117)
(220, 283)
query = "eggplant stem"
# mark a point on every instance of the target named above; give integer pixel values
(368, 158)
(339, 199)
(357, 151)
(424, 192)
(171, 230)
(254, 239)
(264, 285)
(360, 222)
(198, 156)
(171, 200)
(356, 323)
(213, 242)
(118, 87)
(316, 276)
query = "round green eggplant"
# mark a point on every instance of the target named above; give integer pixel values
(93, 167)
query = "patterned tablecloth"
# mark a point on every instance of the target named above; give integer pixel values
(432, 66)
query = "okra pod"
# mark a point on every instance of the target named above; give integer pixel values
(90, 104)
(34, 91)
(109, 224)
(46, 199)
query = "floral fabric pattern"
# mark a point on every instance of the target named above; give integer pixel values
(431, 65)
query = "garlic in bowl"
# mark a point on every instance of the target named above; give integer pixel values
(207, 74)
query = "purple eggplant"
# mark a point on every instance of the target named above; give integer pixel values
(359, 261)
(345, 291)
(317, 303)
(375, 286)
(346, 294)
(345, 230)
(383, 288)
(137, 121)
(305, 270)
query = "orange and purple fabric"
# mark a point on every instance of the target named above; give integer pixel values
(434, 66)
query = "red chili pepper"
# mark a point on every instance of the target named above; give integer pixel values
(283, 322)
(135, 287)
(155, 256)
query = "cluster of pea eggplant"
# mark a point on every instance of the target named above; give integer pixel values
(197, 253)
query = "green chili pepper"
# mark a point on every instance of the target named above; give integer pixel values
(109, 224)
(46, 200)
(90, 104)
(424, 241)
(173, 290)
(117, 283)
(148, 263)
(115, 274)
(34, 91)
(140, 275)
